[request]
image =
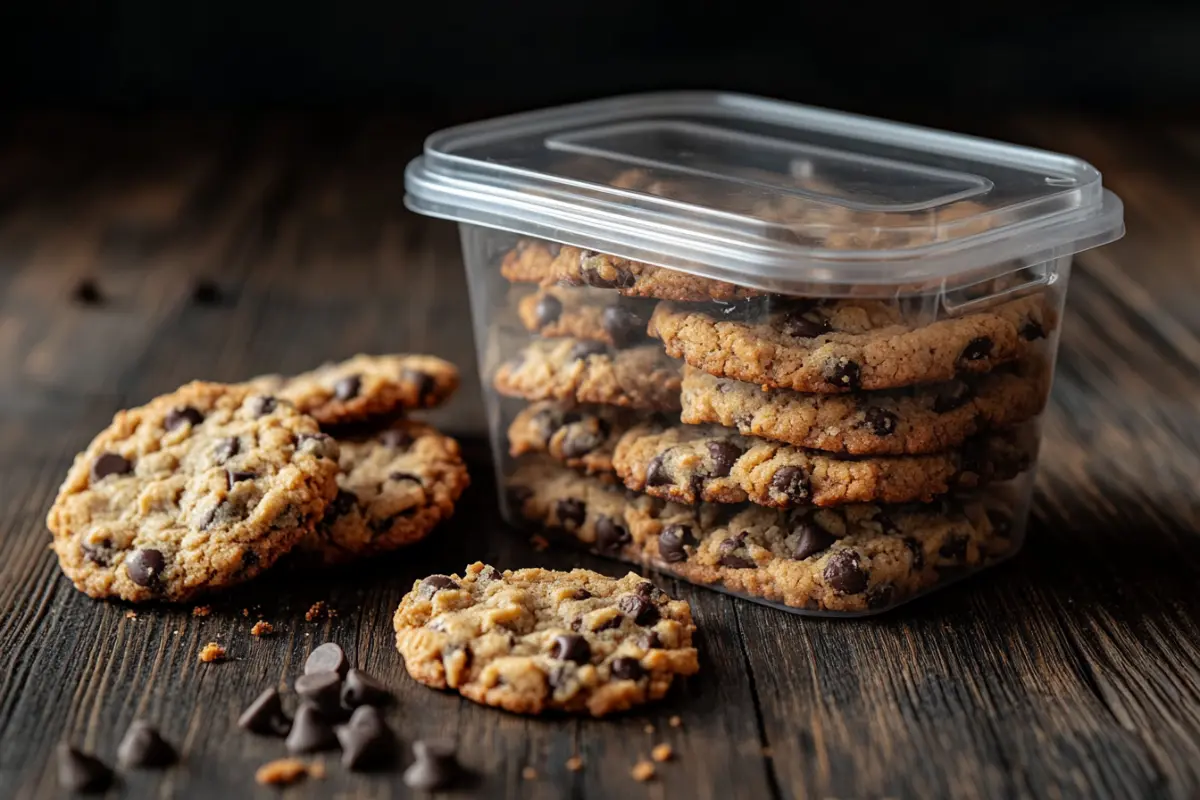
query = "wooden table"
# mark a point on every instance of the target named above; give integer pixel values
(1071, 671)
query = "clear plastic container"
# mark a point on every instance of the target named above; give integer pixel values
(791, 354)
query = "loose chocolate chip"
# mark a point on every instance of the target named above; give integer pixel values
(649, 640)
(649, 591)
(950, 396)
(1032, 329)
(394, 437)
(842, 372)
(570, 512)
(955, 547)
(976, 349)
(311, 732)
(580, 594)
(424, 382)
(177, 416)
(639, 609)
(434, 584)
(611, 535)
(87, 293)
(813, 539)
(792, 483)
(326, 658)
(723, 453)
(627, 668)
(363, 690)
(435, 768)
(233, 476)
(143, 746)
(656, 472)
(579, 442)
(347, 388)
(262, 405)
(226, 449)
(582, 350)
(547, 310)
(797, 324)
(98, 552)
(80, 772)
(672, 543)
(880, 422)
(623, 326)
(735, 561)
(571, 647)
(366, 740)
(206, 293)
(265, 715)
(611, 623)
(110, 464)
(843, 573)
(917, 551)
(881, 596)
(144, 567)
(322, 689)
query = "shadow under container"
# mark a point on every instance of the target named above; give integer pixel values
(792, 354)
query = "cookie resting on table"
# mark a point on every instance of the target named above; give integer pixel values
(199, 489)
(535, 640)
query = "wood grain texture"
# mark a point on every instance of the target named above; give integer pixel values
(1071, 671)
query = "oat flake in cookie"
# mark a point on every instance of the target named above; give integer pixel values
(199, 489)
(365, 386)
(535, 640)
(394, 486)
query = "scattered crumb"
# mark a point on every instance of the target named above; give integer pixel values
(574, 763)
(649, 728)
(245, 612)
(201, 611)
(539, 543)
(318, 610)
(130, 615)
(767, 752)
(282, 772)
(642, 771)
(529, 774)
(662, 752)
(317, 770)
(676, 722)
(212, 652)
(262, 628)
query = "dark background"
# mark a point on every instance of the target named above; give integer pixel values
(457, 60)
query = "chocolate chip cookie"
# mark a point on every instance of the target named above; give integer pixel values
(694, 463)
(365, 386)
(920, 419)
(199, 489)
(581, 437)
(580, 371)
(394, 486)
(579, 313)
(534, 640)
(846, 345)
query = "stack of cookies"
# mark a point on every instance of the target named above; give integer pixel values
(210, 485)
(824, 454)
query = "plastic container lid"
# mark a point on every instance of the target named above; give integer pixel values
(765, 193)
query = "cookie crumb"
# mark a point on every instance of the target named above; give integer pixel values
(212, 652)
(529, 774)
(130, 615)
(539, 543)
(245, 612)
(574, 763)
(649, 728)
(282, 772)
(662, 752)
(201, 611)
(676, 722)
(642, 771)
(315, 611)
(262, 628)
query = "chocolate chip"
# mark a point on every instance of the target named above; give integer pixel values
(490, 573)
(571, 647)
(950, 396)
(436, 766)
(249, 559)
(649, 640)
(813, 539)
(611, 535)
(321, 445)
(1032, 329)
(881, 596)
(579, 442)
(366, 740)
(110, 464)
(880, 422)
(233, 476)
(639, 609)
(622, 279)
(792, 483)
(322, 689)
(144, 567)
(581, 594)
(87, 292)
(796, 324)
(546, 422)
(611, 623)
(343, 503)
(570, 512)
(265, 715)
(723, 453)
(394, 437)
(326, 658)
(434, 584)
(623, 326)
(735, 561)
(582, 350)
(311, 732)
(672, 543)
(976, 349)
(347, 388)
(917, 550)
(101, 552)
(361, 689)
(206, 293)
(955, 547)
(262, 405)
(143, 746)
(424, 382)
(547, 310)
(656, 472)
(842, 372)
(649, 591)
(177, 416)
(226, 449)
(626, 668)
(80, 772)
(843, 573)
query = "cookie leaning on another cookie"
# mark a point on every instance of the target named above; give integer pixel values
(535, 640)
(199, 489)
